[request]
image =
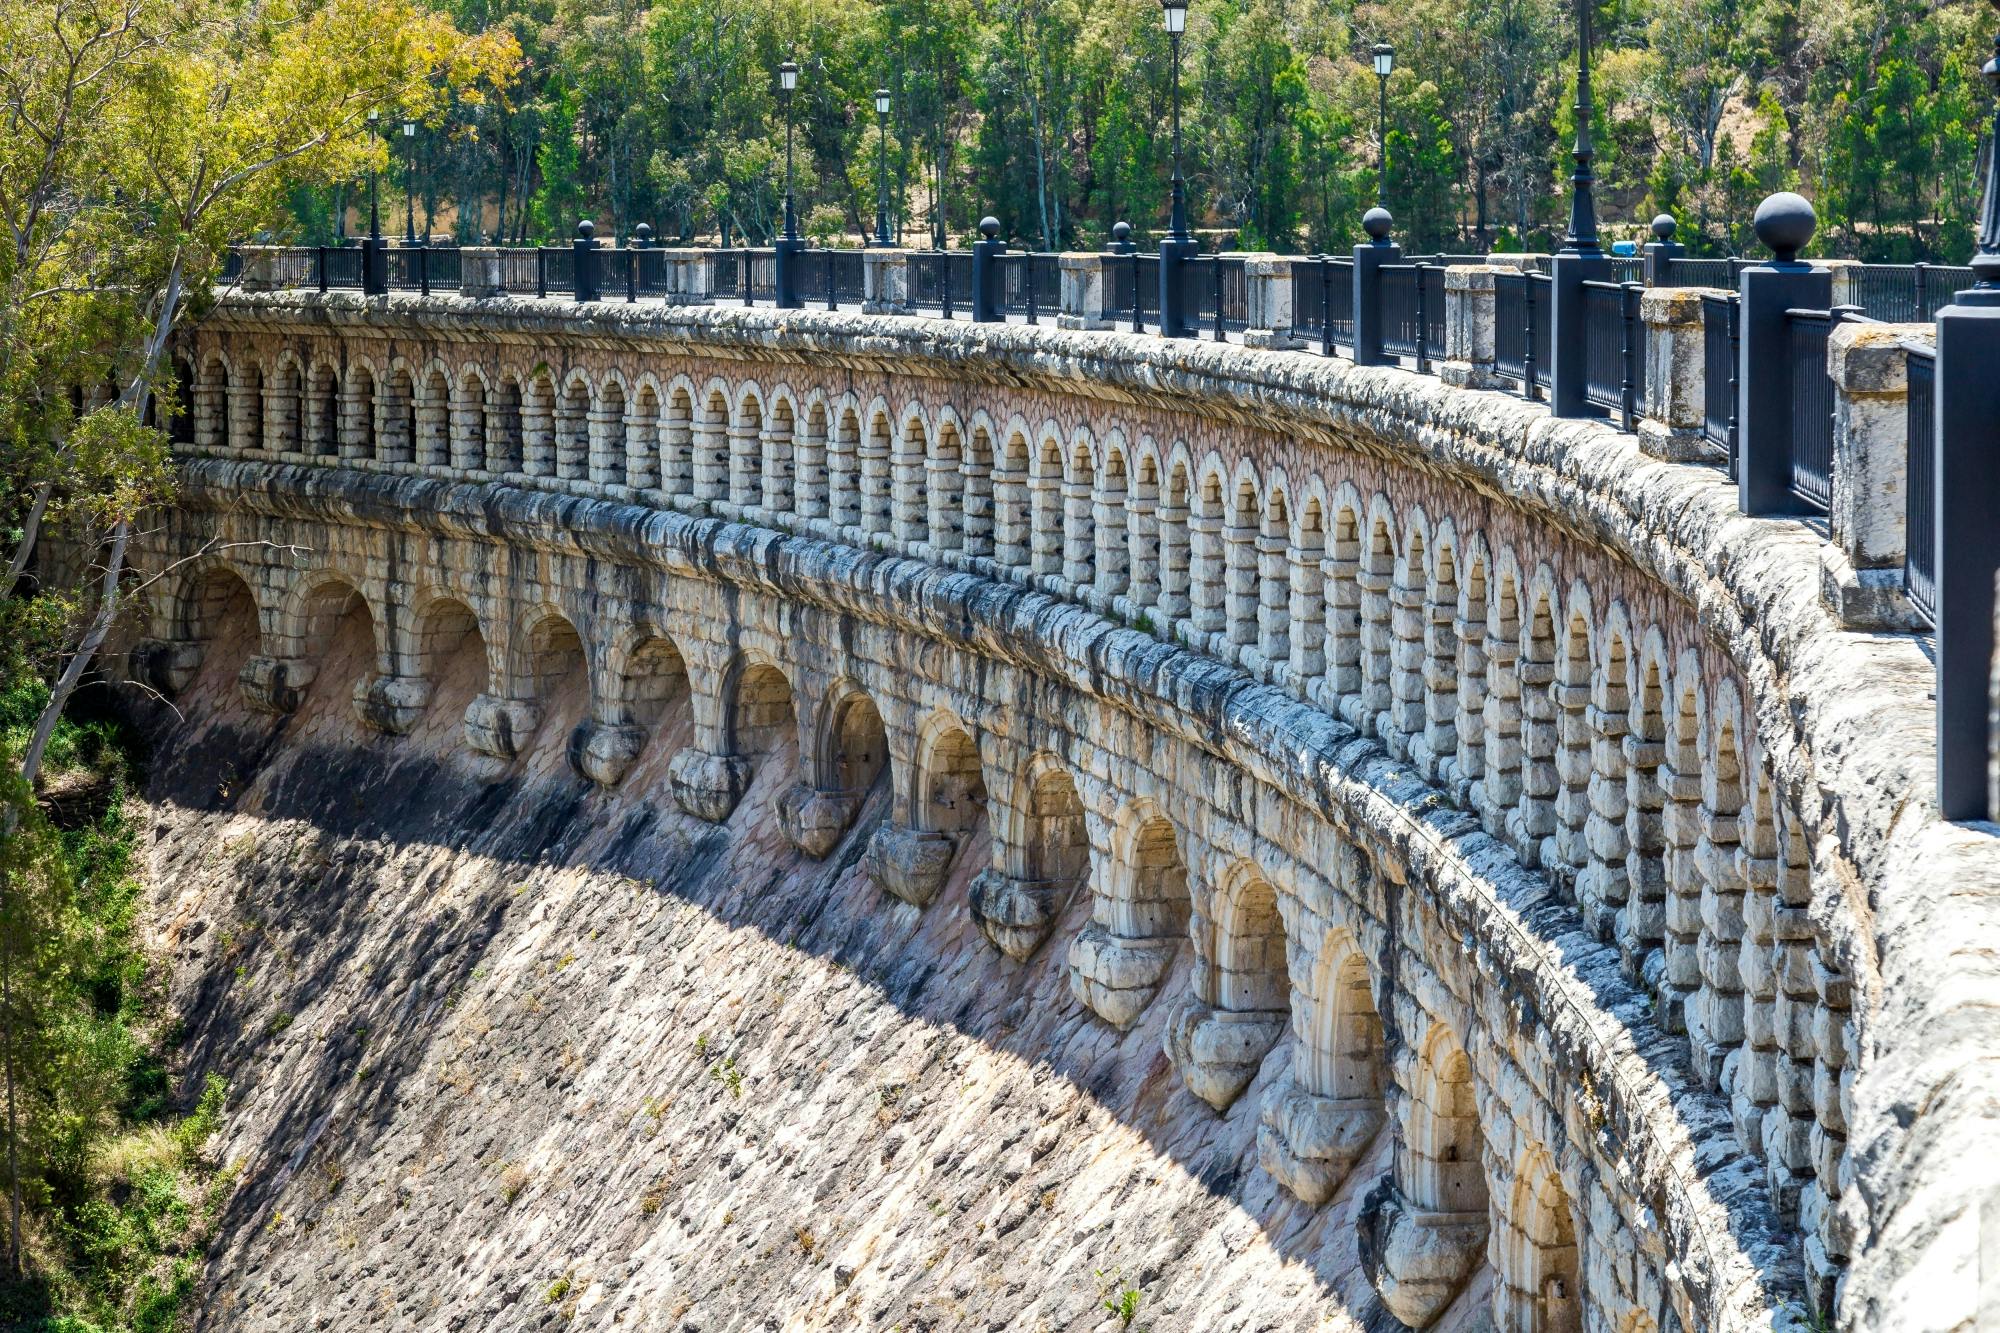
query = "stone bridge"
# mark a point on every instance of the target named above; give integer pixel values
(1521, 781)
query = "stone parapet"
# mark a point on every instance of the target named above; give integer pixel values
(1861, 573)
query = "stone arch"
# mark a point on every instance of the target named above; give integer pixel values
(1079, 529)
(211, 602)
(247, 405)
(876, 449)
(909, 519)
(471, 419)
(1045, 503)
(851, 749)
(441, 624)
(572, 428)
(604, 431)
(1011, 509)
(208, 401)
(313, 610)
(1534, 818)
(283, 399)
(979, 482)
(1139, 916)
(396, 410)
(1375, 577)
(1241, 1004)
(1306, 609)
(645, 674)
(843, 467)
(178, 401)
(746, 439)
(677, 439)
(778, 449)
(642, 435)
(1443, 1143)
(1044, 855)
(945, 485)
(949, 795)
(359, 436)
(431, 417)
(1111, 519)
(549, 651)
(1247, 968)
(1344, 1042)
(758, 716)
(1539, 1288)
(504, 423)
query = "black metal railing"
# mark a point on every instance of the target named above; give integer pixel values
(1321, 287)
(1806, 333)
(1720, 332)
(1920, 485)
(1614, 349)
(941, 280)
(1134, 291)
(1703, 272)
(1030, 286)
(1413, 311)
(646, 271)
(1904, 293)
(1217, 292)
(830, 278)
(338, 267)
(1521, 330)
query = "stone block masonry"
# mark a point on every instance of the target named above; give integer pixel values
(1527, 786)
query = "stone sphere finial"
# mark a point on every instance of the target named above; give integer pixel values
(1121, 232)
(989, 227)
(1664, 227)
(585, 229)
(1785, 222)
(642, 235)
(1376, 222)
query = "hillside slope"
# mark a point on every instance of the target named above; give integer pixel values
(506, 1051)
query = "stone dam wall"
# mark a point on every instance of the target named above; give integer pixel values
(1483, 820)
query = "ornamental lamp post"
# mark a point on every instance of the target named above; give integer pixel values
(881, 166)
(788, 251)
(1581, 258)
(374, 265)
(1385, 64)
(788, 83)
(1178, 247)
(409, 182)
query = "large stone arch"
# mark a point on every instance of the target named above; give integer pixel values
(1320, 1120)
(849, 751)
(1241, 1003)
(1044, 854)
(642, 678)
(1535, 1251)
(1140, 909)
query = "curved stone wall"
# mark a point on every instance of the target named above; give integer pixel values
(1518, 776)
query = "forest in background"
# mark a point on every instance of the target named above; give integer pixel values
(1053, 116)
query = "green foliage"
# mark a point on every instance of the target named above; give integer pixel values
(1053, 115)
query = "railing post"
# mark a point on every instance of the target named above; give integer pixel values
(787, 252)
(1368, 261)
(1968, 540)
(749, 275)
(691, 279)
(374, 266)
(541, 272)
(1028, 287)
(987, 308)
(1785, 222)
(944, 283)
(319, 272)
(826, 271)
(1086, 291)
(1470, 324)
(1676, 374)
(1215, 269)
(885, 282)
(1174, 257)
(1569, 333)
(642, 239)
(1861, 571)
(1267, 294)
(1423, 321)
(584, 248)
(424, 267)
(1325, 304)
(1630, 334)
(1662, 251)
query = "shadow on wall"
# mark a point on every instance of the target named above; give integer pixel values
(365, 799)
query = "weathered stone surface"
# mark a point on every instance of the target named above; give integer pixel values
(708, 786)
(604, 752)
(274, 685)
(500, 727)
(164, 665)
(391, 704)
(1016, 915)
(1218, 1051)
(909, 863)
(1116, 978)
(1417, 1260)
(1309, 1143)
(814, 821)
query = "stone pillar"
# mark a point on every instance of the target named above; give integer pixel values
(167, 665)
(908, 863)
(260, 267)
(1680, 869)
(690, 276)
(1498, 792)
(1566, 854)
(1754, 1087)
(1012, 516)
(1240, 582)
(1788, 1128)
(1434, 748)
(711, 457)
(391, 704)
(1086, 292)
(1267, 283)
(1535, 817)
(1466, 766)
(1175, 563)
(676, 455)
(1205, 572)
(1116, 977)
(1404, 717)
(275, 685)
(605, 751)
(814, 821)
(1604, 888)
(1370, 703)
(977, 497)
(281, 416)
(538, 436)
(876, 499)
(1045, 523)
(746, 461)
(1829, 1236)
(1715, 1012)
(246, 415)
(1469, 310)
(810, 487)
(357, 425)
(944, 502)
(906, 480)
(843, 481)
(641, 436)
(885, 282)
(1341, 578)
(208, 399)
(1861, 570)
(482, 273)
(1306, 609)
(604, 428)
(1676, 408)
(1274, 597)
(1642, 923)
(1218, 1050)
(1108, 517)
(708, 786)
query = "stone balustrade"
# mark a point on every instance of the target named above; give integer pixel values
(1450, 739)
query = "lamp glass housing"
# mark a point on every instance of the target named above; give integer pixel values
(1385, 59)
(409, 129)
(881, 101)
(788, 76)
(1174, 14)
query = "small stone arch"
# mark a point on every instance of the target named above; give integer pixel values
(283, 400)
(396, 407)
(504, 424)
(909, 517)
(758, 715)
(1539, 1288)
(247, 405)
(875, 451)
(1443, 1169)
(604, 431)
(1344, 1043)
(431, 429)
(852, 748)
(550, 651)
(313, 611)
(779, 450)
(746, 440)
(214, 605)
(646, 675)
(1011, 516)
(442, 624)
(950, 791)
(572, 428)
(1046, 853)
(979, 482)
(1247, 968)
